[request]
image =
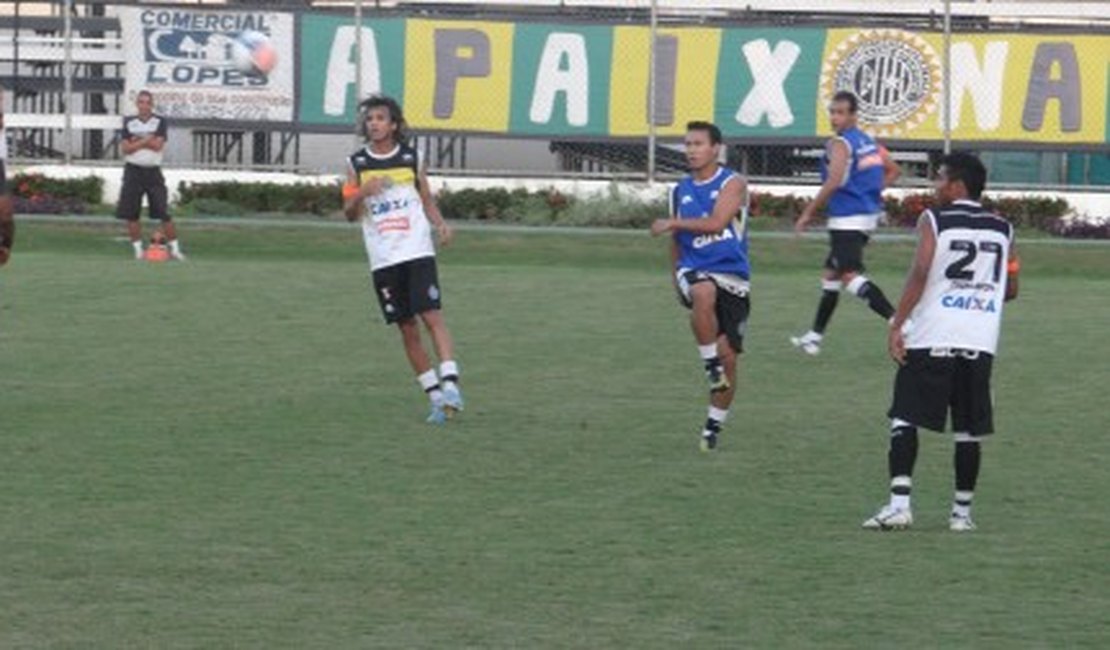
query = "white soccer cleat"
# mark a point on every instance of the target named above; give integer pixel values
(889, 518)
(808, 343)
(452, 399)
(958, 524)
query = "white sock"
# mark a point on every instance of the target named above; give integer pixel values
(961, 503)
(174, 246)
(813, 336)
(449, 371)
(138, 246)
(857, 284)
(718, 415)
(708, 352)
(430, 383)
(900, 501)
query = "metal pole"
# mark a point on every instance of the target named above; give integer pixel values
(68, 77)
(651, 93)
(947, 126)
(358, 68)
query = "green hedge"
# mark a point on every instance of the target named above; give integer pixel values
(548, 207)
(37, 187)
(261, 197)
(1024, 212)
(38, 194)
(767, 210)
(551, 207)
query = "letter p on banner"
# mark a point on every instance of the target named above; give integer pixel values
(458, 75)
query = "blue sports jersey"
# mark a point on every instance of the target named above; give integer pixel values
(861, 190)
(723, 252)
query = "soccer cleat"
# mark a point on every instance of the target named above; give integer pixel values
(718, 382)
(889, 518)
(708, 441)
(140, 255)
(807, 343)
(437, 416)
(959, 524)
(179, 256)
(452, 399)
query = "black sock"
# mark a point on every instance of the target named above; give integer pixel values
(876, 300)
(825, 309)
(903, 451)
(966, 460)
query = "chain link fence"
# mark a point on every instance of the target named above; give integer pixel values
(582, 88)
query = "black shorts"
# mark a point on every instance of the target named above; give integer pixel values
(407, 289)
(732, 311)
(930, 384)
(846, 250)
(3, 178)
(138, 181)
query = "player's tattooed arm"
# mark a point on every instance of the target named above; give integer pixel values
(915, 285)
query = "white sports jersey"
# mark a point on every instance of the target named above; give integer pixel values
(962, 303)
(133, 127)
(395, 227)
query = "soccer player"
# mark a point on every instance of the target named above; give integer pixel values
(388, 191)
(7, 222)
(853, 172)
(142, 140)
(964, 269)
(709, 255)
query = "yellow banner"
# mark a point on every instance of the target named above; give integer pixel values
(458, 74)
(1004, 87)
(686, 60)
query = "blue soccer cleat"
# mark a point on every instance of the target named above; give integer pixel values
(438, 415)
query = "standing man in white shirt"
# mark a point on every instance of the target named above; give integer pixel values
(141, 141)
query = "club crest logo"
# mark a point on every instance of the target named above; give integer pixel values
(433, 292)
(895, 74)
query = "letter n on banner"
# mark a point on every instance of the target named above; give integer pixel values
(458, 75)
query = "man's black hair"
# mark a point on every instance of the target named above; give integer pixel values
(849, 97)
(395, 115)
(968, 169)
(709, 127)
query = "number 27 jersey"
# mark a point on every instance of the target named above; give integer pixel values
(961, 306)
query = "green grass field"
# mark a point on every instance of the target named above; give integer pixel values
(231, 453)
